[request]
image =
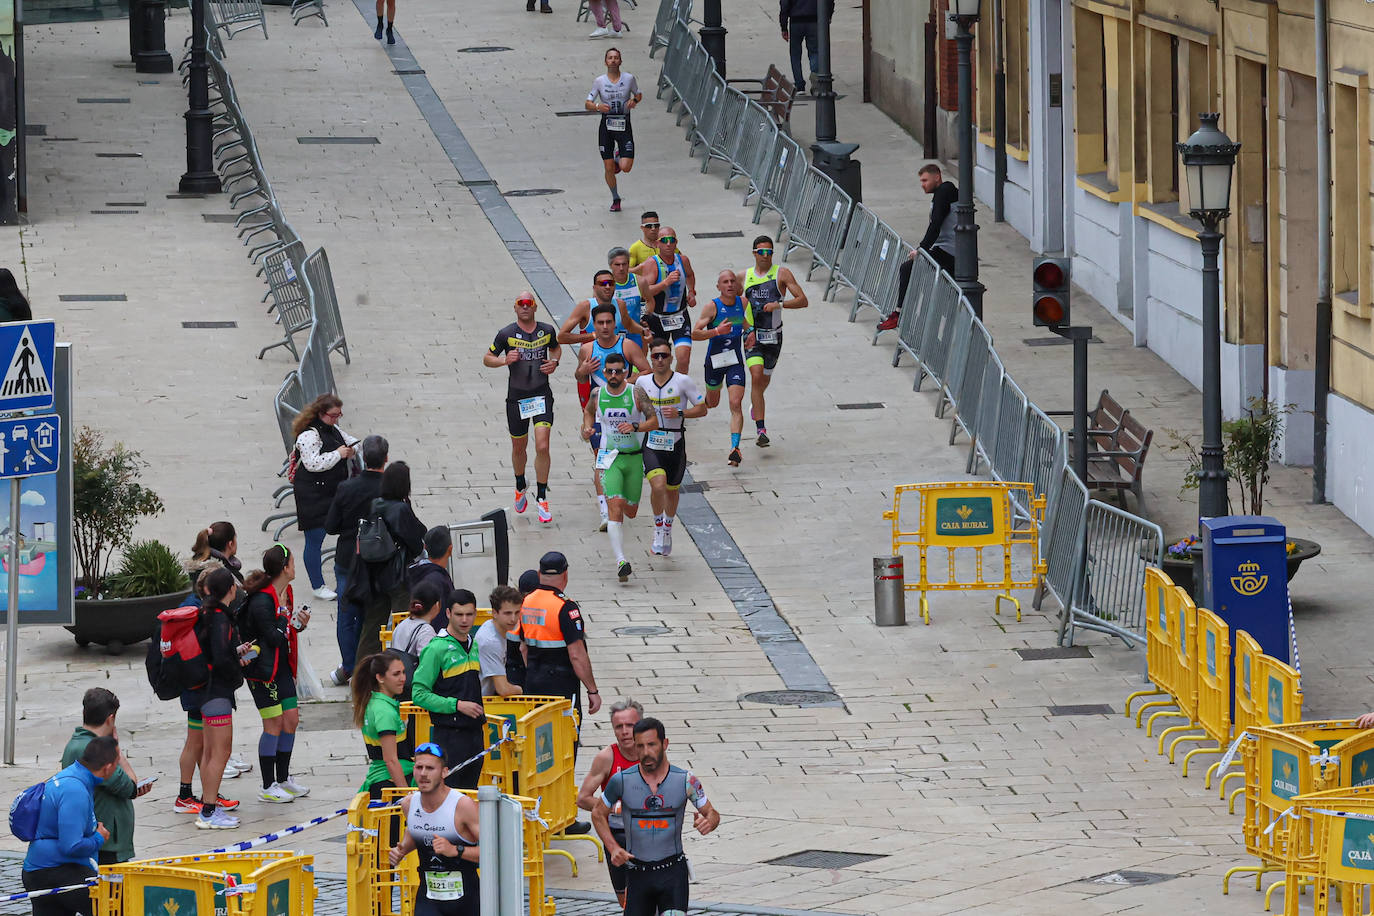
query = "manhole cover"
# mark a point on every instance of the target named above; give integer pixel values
(486, 49)
(824, 858)
(1082, 709)
(791, 697)
(1041, 655)
(1129, 878)
(641, 631)
(533, 192)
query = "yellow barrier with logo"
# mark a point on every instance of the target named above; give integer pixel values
(1179, 674)
(1157, 584)
(496, 769)
(1246, 710)
(1212, 661)
(968, 515)
(270, 883)
(1342, 823)
(384, 633)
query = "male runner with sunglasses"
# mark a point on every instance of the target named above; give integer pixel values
(645, 248)
(669, 287)
(765, 285)
(653, 800)
(441, 825)
(590, 374)
(529, 349)
(673, 396)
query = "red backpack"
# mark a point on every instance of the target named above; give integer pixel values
(176, 662)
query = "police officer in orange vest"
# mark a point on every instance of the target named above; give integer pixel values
(553, 641)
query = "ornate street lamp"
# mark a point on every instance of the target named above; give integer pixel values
(200, 176)
(1209, 158)
(965, 13)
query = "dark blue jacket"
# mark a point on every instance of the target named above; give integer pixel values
(66, 822)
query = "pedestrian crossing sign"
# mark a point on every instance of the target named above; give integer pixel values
(27, 348)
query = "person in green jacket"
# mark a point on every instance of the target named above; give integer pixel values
(114, 798)
(448, 683)
(376, 686)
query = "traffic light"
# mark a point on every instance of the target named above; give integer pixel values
(1050, 302)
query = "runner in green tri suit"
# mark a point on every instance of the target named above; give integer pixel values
(765, 287)
(624, 414)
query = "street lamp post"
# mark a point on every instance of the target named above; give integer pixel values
(713, 35)
(200, 177)
(828, 154)
(965, 13)
(1209, 157)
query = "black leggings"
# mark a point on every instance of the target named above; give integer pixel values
(459, 744)
(67, 904)
(657, 889)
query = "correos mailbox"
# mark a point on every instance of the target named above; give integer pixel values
(1245, 578)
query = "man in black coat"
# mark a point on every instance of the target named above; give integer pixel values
(434, 565)
(798, 19)
(351, 502)
(938, 240)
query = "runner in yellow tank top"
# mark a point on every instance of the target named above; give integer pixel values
(768, 288)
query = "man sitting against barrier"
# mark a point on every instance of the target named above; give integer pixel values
(448, 683)
(653, 797)
(938, 240)
(439, 823)
(68, 836)
(622, 755)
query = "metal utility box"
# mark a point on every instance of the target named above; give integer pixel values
(1245, 578)
(480, 560)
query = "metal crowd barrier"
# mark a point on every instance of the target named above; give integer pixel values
(302, 10)
(235, 16)
(669, 13)
(854, 252)
(1109, 598)
(985, 429)
(785, 167)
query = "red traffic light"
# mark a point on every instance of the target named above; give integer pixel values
(1050, 296)
(1049, 311)
(1048, 274)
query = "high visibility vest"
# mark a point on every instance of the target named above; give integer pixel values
(539, 623)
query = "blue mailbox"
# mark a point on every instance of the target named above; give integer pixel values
(1245, 578)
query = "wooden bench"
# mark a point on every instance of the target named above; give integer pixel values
(1120, 467)
(1104, 421)
(775, 93)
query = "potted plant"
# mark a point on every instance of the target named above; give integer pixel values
(1249, 442)
(107, 501)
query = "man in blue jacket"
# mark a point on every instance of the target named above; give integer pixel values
(69, 837)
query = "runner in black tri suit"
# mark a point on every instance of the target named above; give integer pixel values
(615, 95)
(669, 287)
(769, 288)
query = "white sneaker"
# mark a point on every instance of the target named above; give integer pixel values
(217, 821)
(276, 795)
(236, 767)
(325, 593)
(293, 788)
(600, 32)
(666, 548)
(658, 540)
(618, 34)
(545, 514)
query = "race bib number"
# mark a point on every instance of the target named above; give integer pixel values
(660, 440)
(724, 359)
(767, 335)
(605, 457)
(444, 885)
(674, 322)
(531, 407)
(617, 123)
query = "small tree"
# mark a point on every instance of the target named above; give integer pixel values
(107, 500)
(1249, 443)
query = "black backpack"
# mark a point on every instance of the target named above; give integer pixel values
(375, 543)
(176, 659)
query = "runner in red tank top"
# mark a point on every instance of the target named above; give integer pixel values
(622, 755)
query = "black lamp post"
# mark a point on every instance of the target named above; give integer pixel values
(148, 36)
(200, 177)
(1209, 157)
(965, 13)
(828, 155)
(713, 34)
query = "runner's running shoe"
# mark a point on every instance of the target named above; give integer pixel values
(667, 546)
(763, 441)
(545, 515)
(735, 458)
(276, 795)
(293, 788)
(217, 821)
(187, 805)
(521, 501)
(623, 571)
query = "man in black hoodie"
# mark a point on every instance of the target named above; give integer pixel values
(798, 19)
(434, 566)
(352, 502)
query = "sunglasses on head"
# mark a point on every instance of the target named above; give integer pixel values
(667, 240)
(429, 747)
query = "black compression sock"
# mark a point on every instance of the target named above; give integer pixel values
(267, 766)
(521, 483)
(541, 490)
(207, 810)
(184, 790)
(759, 423)
(283, 766)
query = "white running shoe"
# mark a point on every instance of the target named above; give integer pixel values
(666, 548)
(658, 540)
(618, 34)
(276, 795)
(236, 767)
(600, 32)
(325, 593)
(293, 788)
(545, 515)
(217, 821)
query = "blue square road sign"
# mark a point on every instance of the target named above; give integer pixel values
(30, 446)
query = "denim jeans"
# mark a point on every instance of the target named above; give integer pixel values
(314, 566)
(350, 623)
(797, 33)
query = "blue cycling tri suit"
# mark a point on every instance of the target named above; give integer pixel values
(669, 319)
(725, 354)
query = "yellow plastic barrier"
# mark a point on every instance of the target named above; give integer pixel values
(1342, 822)
(386, 630)
(1179, 675)
(271, 883)
(968, 515)
(1245, 713)
(1212, 656)
(1157, 584)
(496, 769)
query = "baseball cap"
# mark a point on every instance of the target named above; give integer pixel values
(552, 563)
(529, 581)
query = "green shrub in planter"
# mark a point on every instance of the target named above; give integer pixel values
(148, 568)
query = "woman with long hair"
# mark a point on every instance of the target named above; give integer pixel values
(215, 701)
(269, 621)
(376, 689)
(215, 546)
(319, 463)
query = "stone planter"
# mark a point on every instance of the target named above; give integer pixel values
(1181, 571)
(118, 622)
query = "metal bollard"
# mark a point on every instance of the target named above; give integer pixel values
(889, 591)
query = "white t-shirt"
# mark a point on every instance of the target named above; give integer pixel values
(491, 655)
(680, 391)
(614, 94)
(412, 635)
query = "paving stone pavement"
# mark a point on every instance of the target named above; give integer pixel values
(943, 759)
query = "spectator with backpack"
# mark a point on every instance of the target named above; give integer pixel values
(433, 567)
(415, 632)
(268, 620)
(319, 464)
(64, 836)
(376, 691)
(448, 683)
(214, 699)
(215, 547)
(114, 797)
(351, 502)
(390, 537)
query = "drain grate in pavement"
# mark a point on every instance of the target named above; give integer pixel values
(35, 130)
(478, 183)
(532, 192)
(209, 324)
(641, 631)
(1082, 709)
(412, 72)
(575, 114)
(1129, 878)
(93, 297)
(119, 155)
(736, 234)
(485, 49)
(60, 139)
(126, 203)
(102, 101)
(339, 141)
(792, 697)
(864, 405)
(1052, 341)
(1055, 652)
(113, 212)
(700, 486)
(179, 195)
(219, 217)
(824, 858)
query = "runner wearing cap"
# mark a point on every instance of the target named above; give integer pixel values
(442, 826)
(529, 350)
(622, 755)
